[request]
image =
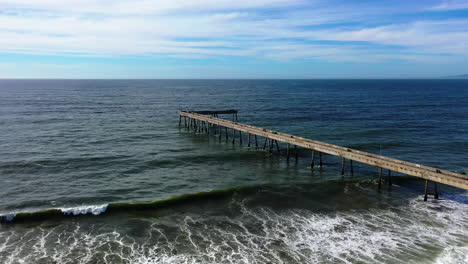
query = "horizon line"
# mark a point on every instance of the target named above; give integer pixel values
(336, 78)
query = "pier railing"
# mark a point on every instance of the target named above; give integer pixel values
(202, 121)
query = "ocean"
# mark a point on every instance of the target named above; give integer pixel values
(99, 171)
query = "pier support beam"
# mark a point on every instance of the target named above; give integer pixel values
(425, 189)
(240, 138)
(389, 178)
(296, 155)
(343, 161)
(248, 144)
(436, 193)
(351, 168)
(380, 177)
(313, 160)
(256, 142)
(320, 158)
(277, 146)
(264, 144)
(219, 137)
(287, 153)
(233, 136)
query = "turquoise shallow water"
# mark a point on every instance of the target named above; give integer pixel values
(81, 145)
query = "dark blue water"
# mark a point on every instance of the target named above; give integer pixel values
(83, 144)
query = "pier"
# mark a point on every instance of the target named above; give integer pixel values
(209, 122)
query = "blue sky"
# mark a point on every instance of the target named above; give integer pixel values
(233, 39)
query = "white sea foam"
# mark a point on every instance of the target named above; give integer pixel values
(414, 233)
(78, 210)
(86, 209)
(453, 255)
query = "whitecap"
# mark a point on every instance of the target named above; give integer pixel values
(87, 209)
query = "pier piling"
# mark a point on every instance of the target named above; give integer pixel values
(343, 161)
(219, 136)
(313, 160)
(296, 155)
(277, 146)
(389, 178)
(380, 177)
(233, 136)
(425, 189)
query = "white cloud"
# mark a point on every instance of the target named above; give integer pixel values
(450, 36)
(199, 29)
(141, 6)
(451, 5)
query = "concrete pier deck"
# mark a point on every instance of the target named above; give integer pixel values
(425, 172)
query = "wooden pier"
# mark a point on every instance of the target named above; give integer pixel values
(209, 122)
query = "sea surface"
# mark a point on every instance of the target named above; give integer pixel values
(99, 171)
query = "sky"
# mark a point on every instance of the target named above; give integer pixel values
(233, 39)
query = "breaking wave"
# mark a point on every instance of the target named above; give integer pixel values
(421, 232)
(116, 207)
